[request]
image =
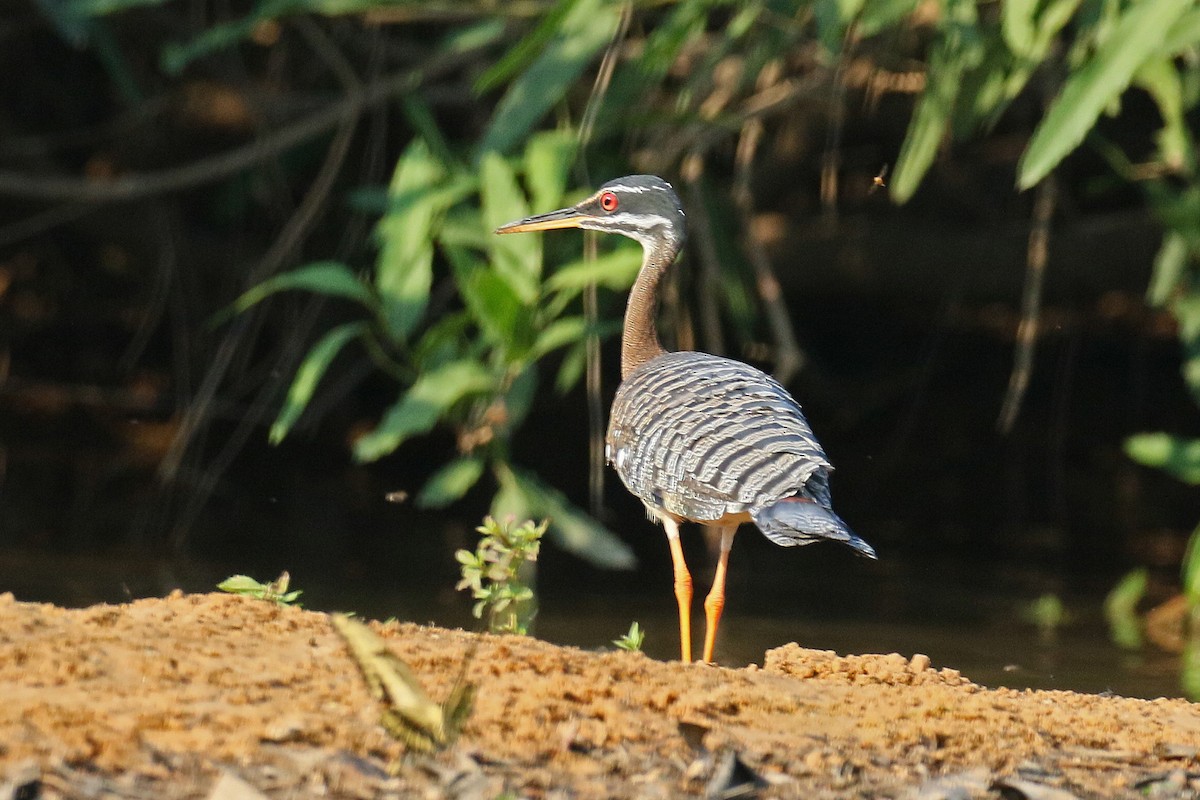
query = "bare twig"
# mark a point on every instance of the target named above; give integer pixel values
(710, 264)
(207, 170)
(789, 358)
(1031, 302)
(591, 309)
(284, 245)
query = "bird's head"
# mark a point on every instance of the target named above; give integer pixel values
(642, 207)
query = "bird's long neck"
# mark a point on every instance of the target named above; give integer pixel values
(639, 338)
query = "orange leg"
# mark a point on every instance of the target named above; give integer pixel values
(714, 604)
(683, 589)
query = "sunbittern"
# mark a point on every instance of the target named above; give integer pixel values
(697, 437)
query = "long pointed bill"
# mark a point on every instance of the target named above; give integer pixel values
(563, 218)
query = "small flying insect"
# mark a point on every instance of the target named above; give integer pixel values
(878, 181)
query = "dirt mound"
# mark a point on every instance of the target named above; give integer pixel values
(894, 669)
(173, 697)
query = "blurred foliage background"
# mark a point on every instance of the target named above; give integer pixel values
(965, 234)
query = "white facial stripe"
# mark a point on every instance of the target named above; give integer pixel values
(642, 221)
(657, 187)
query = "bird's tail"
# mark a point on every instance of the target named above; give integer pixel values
(799, 520)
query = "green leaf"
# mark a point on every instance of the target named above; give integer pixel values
(501, 315)
(570, 528)
(559, 333)
(523, 53)
(571, 369)
(953, 53)
(613, 270)
(450, 482)
(586, 29)
(1184, 33)
(175, 56)
(330, 278)
(878, 15)
(518, 259)
(309, 374)
(430, 397)
(1017, 25)
(1138, 35)
(465, 38)
(548, 157)
(1160, 78)
(404, 269)
(1169, 266)
(832, 17)
(519, 398)
(1175, 455)
(240, 584)
(1190, 570)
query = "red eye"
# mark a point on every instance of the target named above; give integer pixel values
(609, 202)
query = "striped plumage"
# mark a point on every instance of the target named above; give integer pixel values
(698, 437)
(710, 439)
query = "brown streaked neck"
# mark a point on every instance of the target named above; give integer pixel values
(639, 338)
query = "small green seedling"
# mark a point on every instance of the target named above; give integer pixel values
(276, 590)
(492, 573)
(632, 640)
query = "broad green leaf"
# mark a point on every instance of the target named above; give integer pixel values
(1169, 266)
(1184, 33)
(1138, 35)
(522, 54)
(309, 374)
(613, 270)
(429, 398)
(1177, 456)
(586, 29)
(463, 227)
(1160, 78)
(1003, 71)
(571, 369)
(878, 15)
(570, 528)
(450, 482)
(330, 278)
(1186, 309)
(517, 257)
(548, 158)
(448, 339)
(500, 314)
(957, 49)
(404, 268)
(830, 24)
(928, 126)
(560, 332)
(519, 398)
(240, 584)
(743, 21)
(465, 38)
(1018, 27)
